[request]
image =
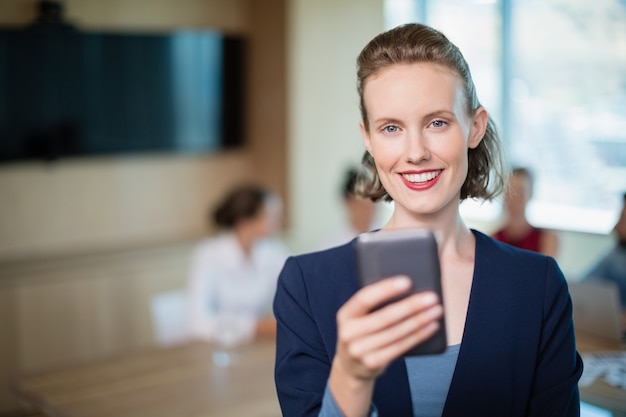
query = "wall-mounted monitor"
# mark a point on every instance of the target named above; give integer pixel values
(68, 93)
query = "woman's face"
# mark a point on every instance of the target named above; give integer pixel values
(419, 134)
(517, 195)
(267, 222)
(361, 213)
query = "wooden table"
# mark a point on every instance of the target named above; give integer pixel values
(183, 381)
(600, 393)
(180, 381)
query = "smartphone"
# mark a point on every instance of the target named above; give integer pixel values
(383, 254)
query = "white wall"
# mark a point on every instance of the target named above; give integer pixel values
(325, 37)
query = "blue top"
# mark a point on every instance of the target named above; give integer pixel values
(429, 380)
(517, 357)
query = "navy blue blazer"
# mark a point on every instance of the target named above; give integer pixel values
(517, 358)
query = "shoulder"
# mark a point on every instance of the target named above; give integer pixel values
(326, 260)
(618, 253)
(518, 281)
(328, 276)
(506, 263)
(491, 247)
(498, 234)
(214, 246)
(611, 263)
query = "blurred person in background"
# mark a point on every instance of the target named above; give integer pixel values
(233, 275)
(517, 231)
(612, 266)
(360, 213)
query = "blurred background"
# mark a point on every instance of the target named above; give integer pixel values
(89, 235)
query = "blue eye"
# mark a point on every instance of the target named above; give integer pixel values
(390, 129)
(438, 123)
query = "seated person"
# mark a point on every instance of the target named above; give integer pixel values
(360, 213)
(612, 267)
(516, 230)
(233, 275)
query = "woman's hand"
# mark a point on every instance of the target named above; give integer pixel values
(368, 341)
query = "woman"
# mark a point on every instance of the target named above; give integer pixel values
(430, 144)
(516, 230)
(233, 275)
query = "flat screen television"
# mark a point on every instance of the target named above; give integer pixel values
(68, 93)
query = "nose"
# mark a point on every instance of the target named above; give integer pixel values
(416, 148)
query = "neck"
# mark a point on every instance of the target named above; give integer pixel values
(246, 241)
(454, 238)
(517, 225)
(359, 227)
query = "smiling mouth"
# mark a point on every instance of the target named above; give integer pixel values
(422, 177)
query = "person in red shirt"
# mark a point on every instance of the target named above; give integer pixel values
(517, 231)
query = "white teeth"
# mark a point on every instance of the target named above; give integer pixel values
(426, 176)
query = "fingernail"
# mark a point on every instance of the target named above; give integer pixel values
(402, 282)
(436, 310)
(433, 326)
(430, 298)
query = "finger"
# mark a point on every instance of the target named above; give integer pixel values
(390, 315)
(372, 295)
(381, 358)
(407, 332)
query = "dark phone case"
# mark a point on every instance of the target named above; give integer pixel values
(404, 252)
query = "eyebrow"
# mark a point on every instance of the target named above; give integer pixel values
(386, 120)
(441, 113)
(446, 113)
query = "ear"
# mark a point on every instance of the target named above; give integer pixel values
(365, 135)
(479, 127)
